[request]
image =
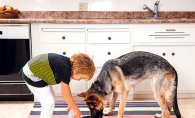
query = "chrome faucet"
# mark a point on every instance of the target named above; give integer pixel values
(155, 12)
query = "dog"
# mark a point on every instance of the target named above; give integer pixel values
(119, 75)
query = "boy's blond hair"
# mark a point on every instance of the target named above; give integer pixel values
(84, 64)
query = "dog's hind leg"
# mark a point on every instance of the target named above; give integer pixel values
(112, 103)
(163, 105)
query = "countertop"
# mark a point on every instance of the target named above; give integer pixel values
(94, 17)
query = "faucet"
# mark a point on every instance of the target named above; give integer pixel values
(155, 12)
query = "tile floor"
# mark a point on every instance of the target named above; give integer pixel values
(21, 109)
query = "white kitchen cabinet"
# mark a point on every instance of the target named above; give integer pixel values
(107, 41)
(105, 44)
(94, 77)
(181, 57)
(103, 53)
(64, 41)
(66, 50)
(175, 43)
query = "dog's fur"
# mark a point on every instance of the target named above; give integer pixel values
(119, 75)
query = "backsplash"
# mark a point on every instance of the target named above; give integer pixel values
(99, 5)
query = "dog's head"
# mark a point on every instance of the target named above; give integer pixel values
(95, 103)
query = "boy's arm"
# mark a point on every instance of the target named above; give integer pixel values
(67, 95)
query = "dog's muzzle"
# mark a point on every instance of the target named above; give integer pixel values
(96, 114)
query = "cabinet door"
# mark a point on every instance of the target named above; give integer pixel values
(145, 86)
(67, 50)
(94, 77)
(102, 53)
(182, 58)
(159, 50)
(63, 49)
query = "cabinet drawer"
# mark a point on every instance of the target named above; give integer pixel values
(63, 35)
(166, 35)
(14, 31)
(63, 49)
(108, 36)
(101, 54)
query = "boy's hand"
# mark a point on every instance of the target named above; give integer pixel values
(77, 114)
(68, 108)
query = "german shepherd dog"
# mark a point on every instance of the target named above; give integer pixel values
(119, 75)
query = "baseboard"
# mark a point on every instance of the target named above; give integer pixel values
(80, 99)
(150, 95)
(130, 97)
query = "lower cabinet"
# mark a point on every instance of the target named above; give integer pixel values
(174, 42)
(93, 78)
(181, 58)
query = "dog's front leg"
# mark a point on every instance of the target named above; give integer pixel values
(123, 100)
(112, 103)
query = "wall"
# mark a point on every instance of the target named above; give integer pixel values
(99, 5)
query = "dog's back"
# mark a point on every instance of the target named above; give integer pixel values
(139, 63)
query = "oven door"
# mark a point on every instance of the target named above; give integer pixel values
(14, 54)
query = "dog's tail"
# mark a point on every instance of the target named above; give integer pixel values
(175, 103)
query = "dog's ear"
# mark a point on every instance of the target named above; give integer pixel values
(82, 94)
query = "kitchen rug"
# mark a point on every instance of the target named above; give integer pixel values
(132, 110)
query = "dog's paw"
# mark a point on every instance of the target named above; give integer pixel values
(107, 113)
(158, 115)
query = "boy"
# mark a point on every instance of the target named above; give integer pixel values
(49, 69)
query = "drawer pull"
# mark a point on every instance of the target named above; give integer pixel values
(163, 54)
(109, 38)
(109, 53)
(64, 53)
(170, 30)
(173, 54)
(63, 37)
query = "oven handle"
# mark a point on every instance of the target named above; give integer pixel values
(5, 82)
(18, 94)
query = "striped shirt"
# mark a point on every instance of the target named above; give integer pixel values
(50, 68)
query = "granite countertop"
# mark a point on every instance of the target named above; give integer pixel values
(95, 17)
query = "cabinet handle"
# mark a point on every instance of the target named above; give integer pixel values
(109, 53)
(109, 38)
(64, 53)
(63, 37)
(173, 54)
(163, 54)
(170, 30)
